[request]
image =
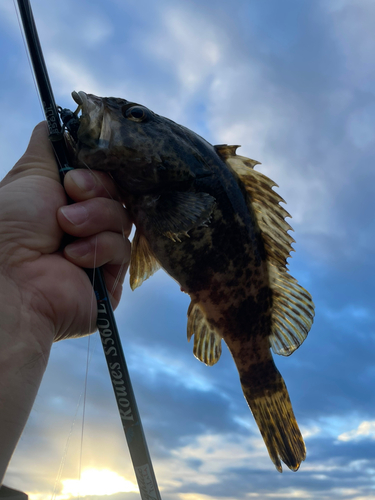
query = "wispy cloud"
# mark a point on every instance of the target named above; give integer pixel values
(365, 429)
(191, 44)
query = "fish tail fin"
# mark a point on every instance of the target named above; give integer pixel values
(270, 404)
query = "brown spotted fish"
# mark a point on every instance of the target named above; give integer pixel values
(215, 225)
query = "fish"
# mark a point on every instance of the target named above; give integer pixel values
(215, 225)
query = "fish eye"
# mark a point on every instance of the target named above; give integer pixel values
(136, 113)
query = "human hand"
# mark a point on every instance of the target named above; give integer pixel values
(45, 289)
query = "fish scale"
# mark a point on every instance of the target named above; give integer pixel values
(204, 215)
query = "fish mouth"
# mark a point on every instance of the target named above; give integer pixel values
(94, 130)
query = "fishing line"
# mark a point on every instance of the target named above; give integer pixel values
(123, 390)
(86, 379)
(83, 417)
(65, 452)
(118, 277)
(119, 274)
(82, 395)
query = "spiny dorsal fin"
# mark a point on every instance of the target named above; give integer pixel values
(142, 262)
(229, 152)
(293, 308)
(207, 343)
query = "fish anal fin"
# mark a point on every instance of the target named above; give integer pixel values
(175, 214)
(142, 262)
(207, 343)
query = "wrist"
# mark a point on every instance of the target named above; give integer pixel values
(23, 360)
(21, 328)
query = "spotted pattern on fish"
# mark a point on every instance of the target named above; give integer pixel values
(215, 225)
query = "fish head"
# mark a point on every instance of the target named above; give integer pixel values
(143, 151)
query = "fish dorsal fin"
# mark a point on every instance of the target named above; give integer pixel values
(142, 262)
(236, 161)
(293, 308)
(207, 343)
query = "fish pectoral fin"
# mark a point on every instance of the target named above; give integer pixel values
(142, 261)
(174, 214)
(292, 312)
(207, 343)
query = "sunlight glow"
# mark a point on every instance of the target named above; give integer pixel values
(97, 482)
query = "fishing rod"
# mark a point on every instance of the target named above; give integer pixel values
(106, 323)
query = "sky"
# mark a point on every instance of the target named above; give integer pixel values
(292, 81)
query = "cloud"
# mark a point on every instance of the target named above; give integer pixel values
(214, 453)
(365, 429)
(192, 44)
(360, 126)
(351, 23)
(96, 29)
(292, 84)
(69, 76)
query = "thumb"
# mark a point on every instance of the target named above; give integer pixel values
(40, 146)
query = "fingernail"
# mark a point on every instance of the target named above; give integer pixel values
(78, 249)
(76, 214)
(83, 179)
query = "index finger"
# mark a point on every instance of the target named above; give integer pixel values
(82, 184)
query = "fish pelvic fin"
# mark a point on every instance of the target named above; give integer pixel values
(267, 396)
(293, 308)
(142, 261)
(207, 343)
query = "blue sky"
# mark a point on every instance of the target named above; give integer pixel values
(293, 82)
